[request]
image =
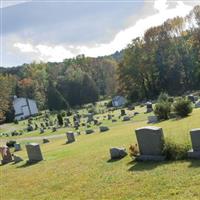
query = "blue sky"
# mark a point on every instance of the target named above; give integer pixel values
(53, 30)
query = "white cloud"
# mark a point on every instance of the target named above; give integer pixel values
(160, 5)
(123, 38)
(7, 3)
(53, 54)
(120, 41)
(27, 48)
(45, 53)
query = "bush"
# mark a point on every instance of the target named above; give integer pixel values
(174, 151)
(10, 143)
(183, 107)
(16, 121)
(60, 119)
(63, 113)
(162, 110)
(163, 97)
(109, 104)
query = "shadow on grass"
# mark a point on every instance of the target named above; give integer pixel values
(145, 165)
(114, 160)
(28, 164)
(194, 163)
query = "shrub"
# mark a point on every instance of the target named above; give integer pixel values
(163, 97)
(109, 104)
(174, 151)
(183, 107)
(16, 121)
(60, 119)
(63, 113)
(10, 143)
(162, 110)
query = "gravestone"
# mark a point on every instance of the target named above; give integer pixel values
(89, 131)
(70, 137)
(136, 113)
(41, 130)
(123, 112)
(89, 117)
(45, 140)
(152, 119)
(34, 152)
(103, 128)
(197, 105)
(117, 153)
(114, 120)
(109, 117)
(149, 107)
(126, 118)
(195, 138)
(6, 155)
(150, 142)
(54, 129)
(95, 121)
(17, 147)
(17, 159)
(191, 98)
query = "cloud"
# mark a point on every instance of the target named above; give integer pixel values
(120, 41)
(8, 3)
(160, 5)
(44, 52)
(27, 48)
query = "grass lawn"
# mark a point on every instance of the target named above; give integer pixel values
(82, 170)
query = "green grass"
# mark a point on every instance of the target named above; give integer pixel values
(82, 170)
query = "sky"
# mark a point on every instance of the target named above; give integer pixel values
(41, 30)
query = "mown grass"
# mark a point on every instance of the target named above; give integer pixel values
(82, 170)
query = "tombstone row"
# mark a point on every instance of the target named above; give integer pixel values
(151, 143)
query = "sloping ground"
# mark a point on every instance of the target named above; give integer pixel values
(82, 170)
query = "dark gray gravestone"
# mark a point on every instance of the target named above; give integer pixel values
(89, 131)
(150, 142)
(152, 119)
(34, 152)
(149, 107)
(70, 137)
(45, 140)
(195, 138)
(197, 105)
(103, 128)
(17, 147)
(117, 153)
(126, 118)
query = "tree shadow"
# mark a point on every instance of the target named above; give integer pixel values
(145, 165)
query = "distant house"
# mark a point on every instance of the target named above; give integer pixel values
(118, 101)
(24, 108)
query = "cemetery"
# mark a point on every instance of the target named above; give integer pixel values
(76, 155)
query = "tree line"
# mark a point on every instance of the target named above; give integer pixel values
(165, 59)
(58, 86)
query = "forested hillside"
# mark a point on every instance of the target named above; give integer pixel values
(59, 85)
(166, 59)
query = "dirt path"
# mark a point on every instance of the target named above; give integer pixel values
(35, 138)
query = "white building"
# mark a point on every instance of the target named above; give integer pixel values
(118, 101)
(24, 108)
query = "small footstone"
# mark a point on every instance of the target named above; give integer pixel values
(103, 128)
(117, 153)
